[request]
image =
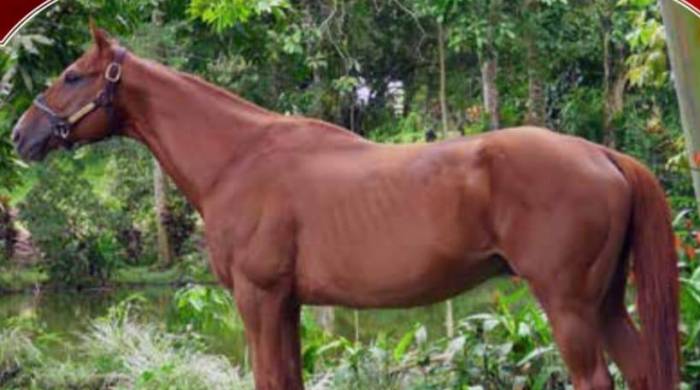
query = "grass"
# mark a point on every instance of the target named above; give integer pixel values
(146, 275)
(16, 278)
(25, 278)
(116, 354)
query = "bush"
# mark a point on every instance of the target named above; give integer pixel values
(411, 128)
(204, 309)
(71, 227)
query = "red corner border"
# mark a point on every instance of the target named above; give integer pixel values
(9, 30)
(691, 5)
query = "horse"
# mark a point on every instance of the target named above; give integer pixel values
(298, 211)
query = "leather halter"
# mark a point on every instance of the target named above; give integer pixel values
(61, 125)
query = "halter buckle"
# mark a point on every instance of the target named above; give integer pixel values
(113, 72)
(62, 129)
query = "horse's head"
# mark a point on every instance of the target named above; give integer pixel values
(78, 108)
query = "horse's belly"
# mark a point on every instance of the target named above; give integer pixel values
(407, 276)
(405, 235)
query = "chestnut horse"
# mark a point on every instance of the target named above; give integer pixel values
(299, 211)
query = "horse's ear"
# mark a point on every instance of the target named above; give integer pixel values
(99, 35)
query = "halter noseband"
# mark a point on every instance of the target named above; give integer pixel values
(61, 125)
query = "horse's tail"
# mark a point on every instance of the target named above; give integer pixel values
(655, 268)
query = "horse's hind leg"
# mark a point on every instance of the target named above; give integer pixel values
(623, 341)
(624, 345)
(577, 332)
(570, 277)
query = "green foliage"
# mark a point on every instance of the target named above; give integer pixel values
(71, 226)
(204, 309)
(688, 243)
(581, 114)
(17, 278)
(223, 14)
(510, 346)
(690, 309)
(317, 344)
(409, 129)
(648, 65)
(116, 352)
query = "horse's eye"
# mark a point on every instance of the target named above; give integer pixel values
(71, 78)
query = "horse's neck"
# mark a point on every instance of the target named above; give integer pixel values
(194, 129)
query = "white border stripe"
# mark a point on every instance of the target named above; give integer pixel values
(4, 40)
(689, 7)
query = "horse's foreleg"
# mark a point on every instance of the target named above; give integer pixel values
(271, 319)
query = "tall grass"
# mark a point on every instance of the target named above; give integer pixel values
(117, 352)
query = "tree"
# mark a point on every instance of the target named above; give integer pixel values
(160, 180)
(614, 69)
(160, 191)
(489, 66)
(535, 96)
(441, 59)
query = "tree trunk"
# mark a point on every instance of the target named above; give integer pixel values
(491, 99)
(489, 69)
(682, 28)
(535, 100)
(614, 75)
(160, 191)
(8, 233)
(535, 96)
(443, 97)
(160, 180)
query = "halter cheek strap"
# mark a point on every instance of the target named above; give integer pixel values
(62, 125)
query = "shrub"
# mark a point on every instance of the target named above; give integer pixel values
(204, 309)
(73, 230)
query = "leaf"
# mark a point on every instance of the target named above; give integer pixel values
(455, 345)
(524, 330)
(491, 324)
(421, 335)
(534, 354)
(402, 346)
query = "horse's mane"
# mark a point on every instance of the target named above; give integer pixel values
(219, 91)
(225, 94)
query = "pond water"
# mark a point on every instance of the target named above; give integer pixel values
(68, 314)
